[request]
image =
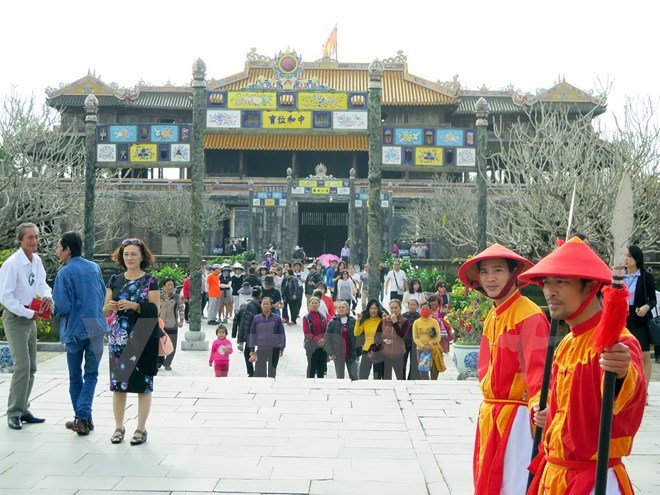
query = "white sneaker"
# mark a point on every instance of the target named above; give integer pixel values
(240, 347)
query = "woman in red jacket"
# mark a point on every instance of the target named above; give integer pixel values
(185, 292)
(314, 327)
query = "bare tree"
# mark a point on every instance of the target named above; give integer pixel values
(541, 161)
(33, 158)
(557, 151)
(169, 214)
(42, 176)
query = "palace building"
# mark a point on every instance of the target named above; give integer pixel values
(286, 143)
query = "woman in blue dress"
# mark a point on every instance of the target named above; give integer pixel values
(132, 300)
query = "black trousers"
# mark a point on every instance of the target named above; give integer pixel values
(396, 295)
(205, 298)
(393, 364)
(248, 365)
(294, 307)
(317, 362)
(413, 372)
(367, 363)
(267, 360)
(342, 364)
(186, 311)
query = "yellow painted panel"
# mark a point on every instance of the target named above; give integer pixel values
(287, 120)
(320, 190)
(143, 153)
(334, 183)
(269, 202)
(307, 183)
(252, 100)
(323, 101)
(87, 88)
(428, 156)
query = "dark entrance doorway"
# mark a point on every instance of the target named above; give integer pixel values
(322, 227)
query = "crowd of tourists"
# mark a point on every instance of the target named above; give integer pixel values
(365, 338)
(401, 335)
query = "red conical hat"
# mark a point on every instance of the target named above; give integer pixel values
(469, 274)
(572, 259)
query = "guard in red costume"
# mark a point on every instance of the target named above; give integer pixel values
(510, 371)
(571, 277)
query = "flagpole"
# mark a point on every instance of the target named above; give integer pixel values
(336, 43)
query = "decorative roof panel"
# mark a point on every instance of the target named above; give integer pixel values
(298, 142)
(399, 87)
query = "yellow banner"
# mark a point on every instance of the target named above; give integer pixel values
(428, 156)
(287, 120)
(251, 99)
(307, 183)
(320, 190)
(143, 153)
(323, 101)
(334, 183)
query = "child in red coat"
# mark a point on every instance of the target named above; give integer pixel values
(220, 352)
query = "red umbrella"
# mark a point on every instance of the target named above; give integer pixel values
(328, 258)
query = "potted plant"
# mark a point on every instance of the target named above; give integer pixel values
(466, 318)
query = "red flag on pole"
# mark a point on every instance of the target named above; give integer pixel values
(330, 46)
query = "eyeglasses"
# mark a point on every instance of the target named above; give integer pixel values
(135, 242)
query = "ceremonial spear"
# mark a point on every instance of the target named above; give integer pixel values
(612, 323)
(549, 355)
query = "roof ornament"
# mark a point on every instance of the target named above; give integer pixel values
(482, 106)
(376, 70)
(453, 87)
(287, 75)
(252, 55)
(400, 58)
(320, 172)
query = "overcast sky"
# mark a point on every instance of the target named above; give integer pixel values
(527, 43)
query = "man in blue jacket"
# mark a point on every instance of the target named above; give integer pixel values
(78, 294)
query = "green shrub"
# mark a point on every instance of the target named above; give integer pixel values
(176, 273)
(249, 255)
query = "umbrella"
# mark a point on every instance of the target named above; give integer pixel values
(328, 258)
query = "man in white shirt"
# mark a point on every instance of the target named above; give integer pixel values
(22, 278)
(396, 281)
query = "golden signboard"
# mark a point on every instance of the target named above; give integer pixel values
(307, 183)
(252, 100)
(269, 202)
(287, 120)
(428, 156)
(334, 183)
(320, 190)
(323, 101)
(143, 153)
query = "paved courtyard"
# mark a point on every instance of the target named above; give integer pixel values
(261, 436)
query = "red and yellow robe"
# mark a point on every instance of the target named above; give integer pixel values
(510, 369)
(567, 462)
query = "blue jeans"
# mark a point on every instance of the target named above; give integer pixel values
(82, 381)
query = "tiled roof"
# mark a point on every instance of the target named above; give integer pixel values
(497, 104)
(299, 142)
(399, 87)
(156, 100)
(505, 105)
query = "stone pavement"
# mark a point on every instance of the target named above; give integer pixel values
(261, 436)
